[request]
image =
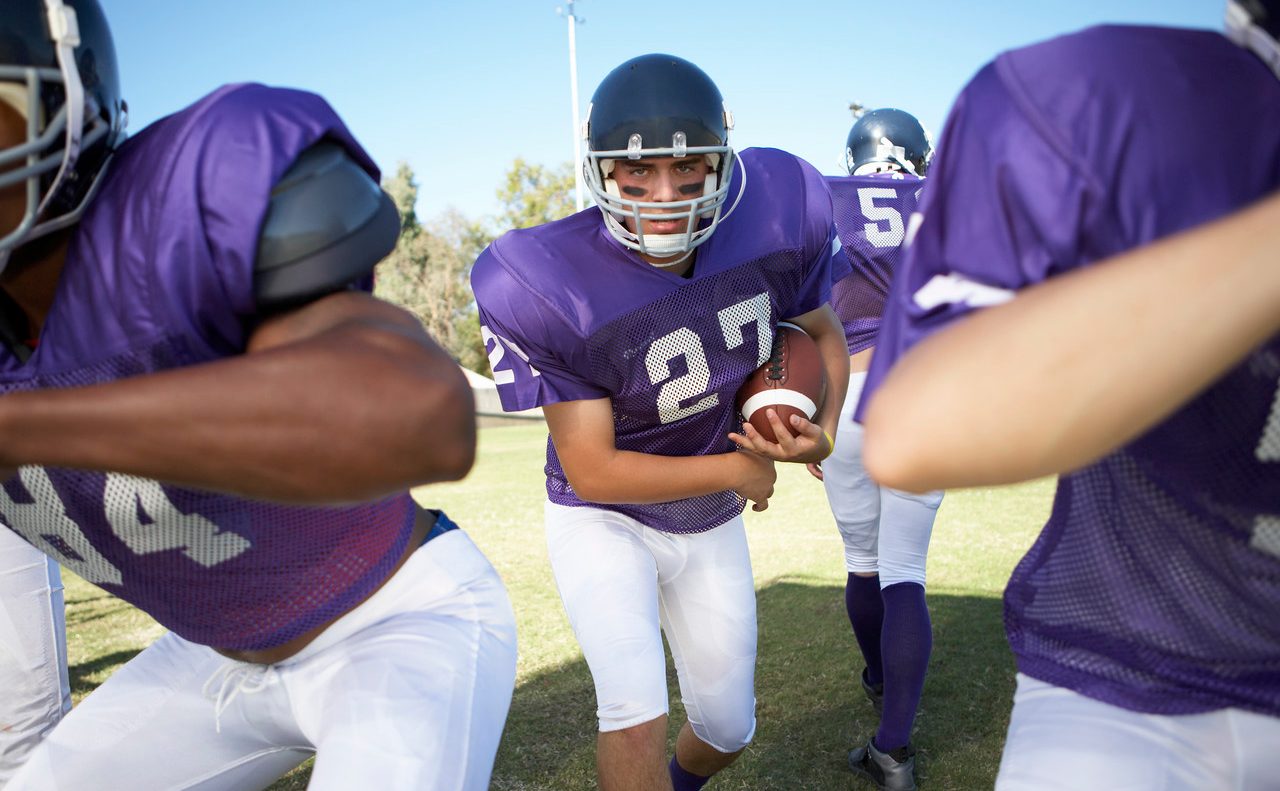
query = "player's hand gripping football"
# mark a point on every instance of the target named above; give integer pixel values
(757, 479)
(803, 441)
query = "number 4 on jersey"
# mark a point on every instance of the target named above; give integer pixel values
(1266, 528)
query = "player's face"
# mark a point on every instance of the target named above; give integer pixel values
(660, 180)
(13, 132)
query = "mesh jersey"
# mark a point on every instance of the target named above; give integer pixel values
(871, 213)
(1155, 585)
(159, 275)
(569, 314)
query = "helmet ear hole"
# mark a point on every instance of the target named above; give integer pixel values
(610, 184)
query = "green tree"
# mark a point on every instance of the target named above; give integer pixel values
(534, 194)
(427, 272)
(403, 190)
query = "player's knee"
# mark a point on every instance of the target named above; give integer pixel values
(861, 562)
(860, 536)
(861, 545)
(930, 499)
(893, 573)
(725, 730)
(623, 715)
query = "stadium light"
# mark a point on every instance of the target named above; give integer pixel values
(573, 92)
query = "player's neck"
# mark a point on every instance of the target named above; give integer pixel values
(682, 269)
(31, 278)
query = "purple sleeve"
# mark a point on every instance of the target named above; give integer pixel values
(231, 150)
(823, 268)
(1006, 207)
(533, 354)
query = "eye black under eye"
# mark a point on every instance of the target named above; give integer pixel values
(635, 192)
(690, 189)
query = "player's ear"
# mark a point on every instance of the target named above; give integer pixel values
(327, 225)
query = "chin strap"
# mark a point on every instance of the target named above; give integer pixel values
(65, 30)
(668, 264)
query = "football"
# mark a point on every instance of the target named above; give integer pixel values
(791, 381)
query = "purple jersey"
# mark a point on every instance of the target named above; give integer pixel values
(570, 314)
(159, 275)
(871, 214)
(1155, 585)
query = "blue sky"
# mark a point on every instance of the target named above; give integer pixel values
(460, 88)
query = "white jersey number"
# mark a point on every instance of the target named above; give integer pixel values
(45, 523)
(1266, 528)
(685, 343)
(500, 345)
(881, 237)
(168, 528)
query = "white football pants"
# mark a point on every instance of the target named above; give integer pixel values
(408, 690)
(34, 693)
(885, 531)
(1060, 740)
(624, 584)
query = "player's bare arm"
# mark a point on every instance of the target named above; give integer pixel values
(247, 425)
(1025, 398)
(802, 440)
(583, 435)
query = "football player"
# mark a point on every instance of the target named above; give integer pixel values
(633, 325)
(1143, 619)
(206, 414)
(885, 531)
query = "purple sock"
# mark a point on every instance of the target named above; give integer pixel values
(866, 615)
(905, 644)
(684, 780)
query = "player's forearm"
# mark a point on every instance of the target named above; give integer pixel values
(1076, 367)
(827, 332)
(638, 478)
(835, 361)
(348, 414)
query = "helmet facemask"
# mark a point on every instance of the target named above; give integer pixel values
(701, 214)
(46, 162)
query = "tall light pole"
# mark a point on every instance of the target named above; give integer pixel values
(573, 91)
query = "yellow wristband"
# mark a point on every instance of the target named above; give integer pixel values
(831, 444)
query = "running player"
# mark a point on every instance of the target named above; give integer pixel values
(633, 325)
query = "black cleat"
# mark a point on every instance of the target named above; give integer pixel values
(874, 692)
(891, 771)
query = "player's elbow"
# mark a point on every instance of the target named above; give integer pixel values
(590, 488)
(893, 455)
(592, 481)
(447, 431)
(426, 410)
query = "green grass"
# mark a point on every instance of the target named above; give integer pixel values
(810, 707)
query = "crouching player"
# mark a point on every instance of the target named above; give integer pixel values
(206, 414)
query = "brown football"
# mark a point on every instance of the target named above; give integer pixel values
(791, 381)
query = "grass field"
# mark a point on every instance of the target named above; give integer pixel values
(810, 707)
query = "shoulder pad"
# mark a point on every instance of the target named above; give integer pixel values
(327, 225)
